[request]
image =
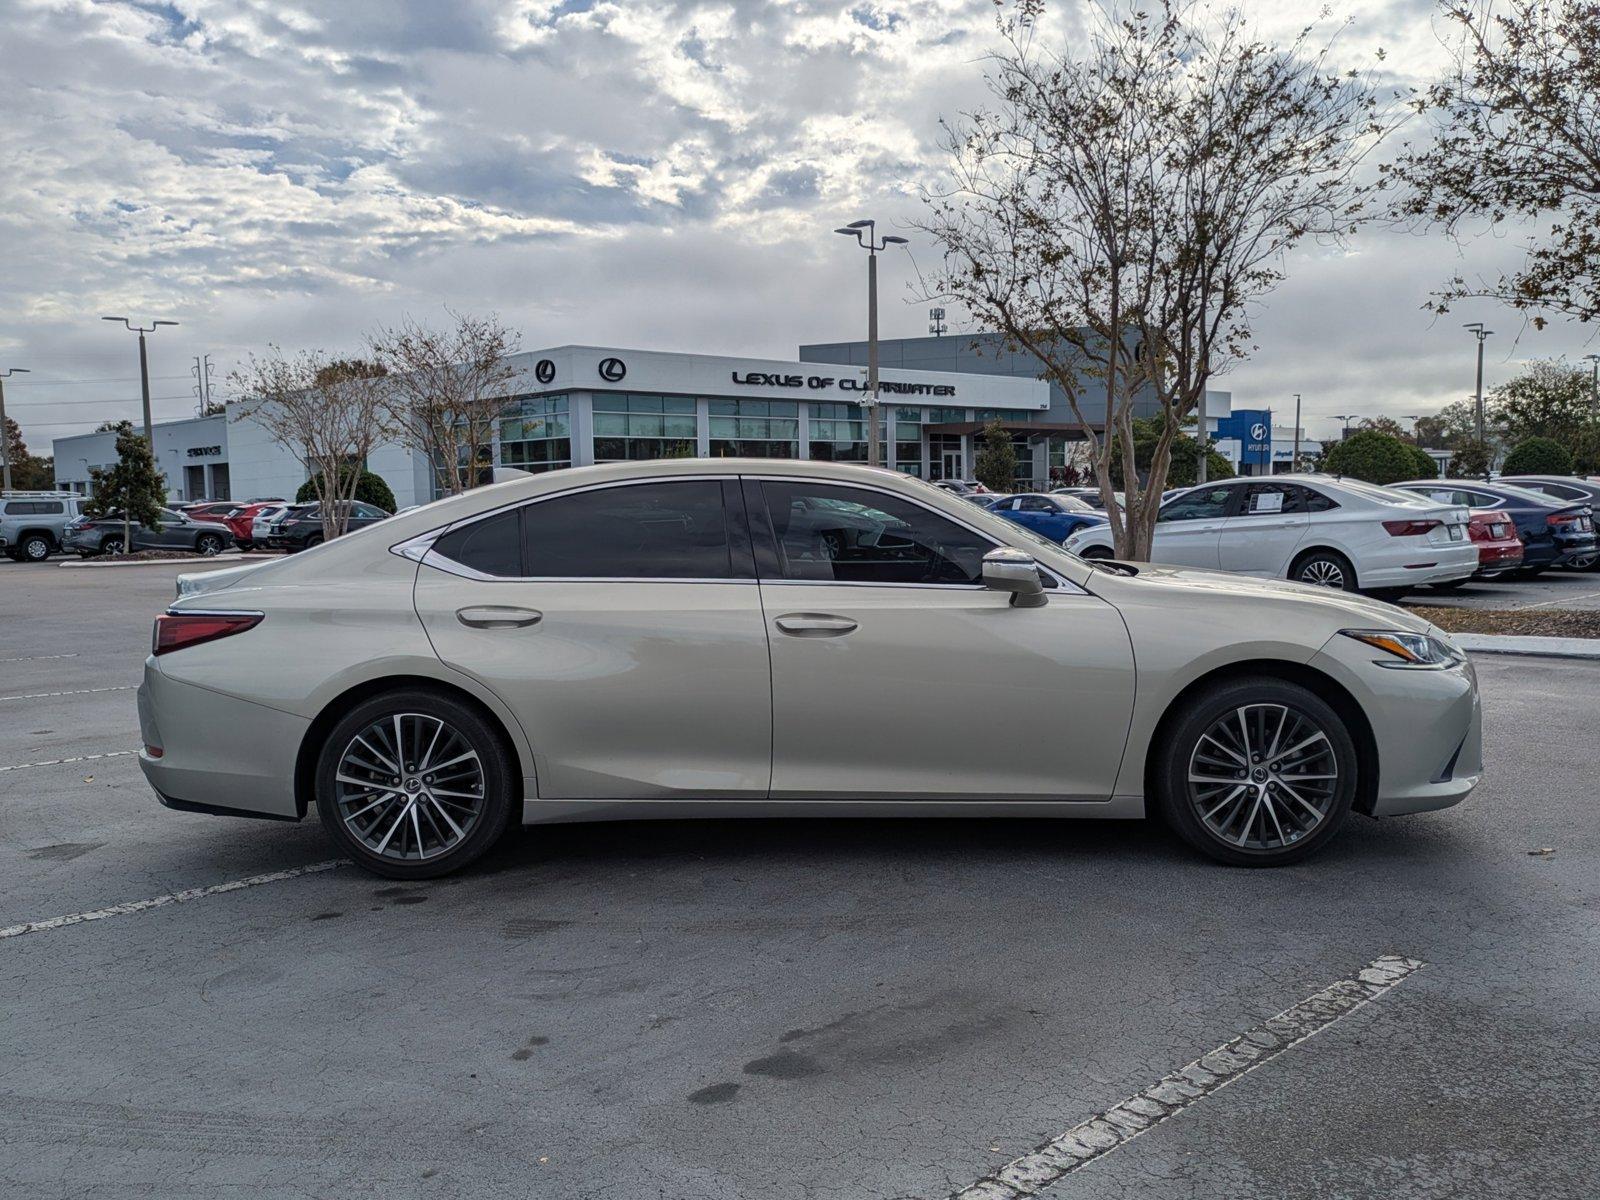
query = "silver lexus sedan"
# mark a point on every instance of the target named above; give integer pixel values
(693, 638)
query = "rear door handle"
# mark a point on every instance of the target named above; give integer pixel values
(814, 625)
(498, 616)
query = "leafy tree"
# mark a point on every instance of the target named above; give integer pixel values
(1448, 428)
(1471, 460)
(996, 467)
(29, 472)
(1384, 425)
(1122, 211)
(1586, 451)
(1372, 456)
(327, 412)
(368, 489)
(1514, 123)
(1538, 456)
(1185, 454)
(446, 390)
(133, 487)
(1548, 400)
(1423, 464)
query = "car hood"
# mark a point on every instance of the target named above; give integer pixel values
(1350, 607)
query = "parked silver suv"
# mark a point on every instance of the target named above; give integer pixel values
(32, 523)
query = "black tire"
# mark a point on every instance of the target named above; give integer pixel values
(497, 792)
(34, 547)
(245, 546)
(1324, 568)
(1180, 803)
(112, 545)
(314, 540)
(209, 544)
(1096, 552)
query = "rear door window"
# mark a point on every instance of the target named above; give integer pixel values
(676, 530)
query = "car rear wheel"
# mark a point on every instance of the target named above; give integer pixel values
(35, 547)
(414, 784)
(209, 544)
(1256, 772)
(314, 540)
(112, 545)
(1325, 568)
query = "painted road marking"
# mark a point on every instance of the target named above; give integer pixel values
(61, 762)
(125, 687)
(183, 897)
(1121, 1123)
(39, 657)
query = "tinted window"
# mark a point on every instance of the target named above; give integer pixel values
(641, 531)
(19, 508)
(1035, 504)
(1198, 504)
(835, 534)
(492, 546)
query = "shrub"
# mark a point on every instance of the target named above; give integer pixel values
(370, 489)
(1538, 456)
(1470, 461)
(996, 467)
(1371, 456)
(1426, 467)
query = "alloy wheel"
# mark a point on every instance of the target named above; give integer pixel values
(1263, 777)
(409, 787)
(36, 549)
(1323, 572)
(210, 545)
(112, 545)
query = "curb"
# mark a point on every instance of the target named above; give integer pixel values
(1538, 647)
(223, 558)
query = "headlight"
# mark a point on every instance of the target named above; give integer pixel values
(1421, 651)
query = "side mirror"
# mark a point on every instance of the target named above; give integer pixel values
(1009, 570)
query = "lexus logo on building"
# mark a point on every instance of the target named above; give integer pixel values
(1258, 432)
(612, 370)
(544, 370)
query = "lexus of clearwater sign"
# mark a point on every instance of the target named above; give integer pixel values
(824, 383)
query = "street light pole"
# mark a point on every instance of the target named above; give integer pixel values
(5, 431)
(1479, 332)
(1346, 419)
(1296, 465)
(144, 368)
(1594, 379)
(865, 234)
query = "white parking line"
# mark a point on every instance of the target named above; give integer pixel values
(61, 762)
(183, 897)
(1121, 1123)
(39, 657)
(126, 687)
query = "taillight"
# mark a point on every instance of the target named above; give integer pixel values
(177, 631)
(1410, 528)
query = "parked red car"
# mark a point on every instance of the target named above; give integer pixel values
(1499, 547)
(213, 511)
(238, 521)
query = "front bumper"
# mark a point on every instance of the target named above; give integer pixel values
(1427, 727)
(210, 752)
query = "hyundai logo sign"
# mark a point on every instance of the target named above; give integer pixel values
(544, 370)
(1258, 432)
(612, 370)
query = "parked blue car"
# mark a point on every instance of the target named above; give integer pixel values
(1554, 532)
(1054, 516)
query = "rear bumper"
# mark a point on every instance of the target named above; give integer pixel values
(1425, 564)
(205, 751)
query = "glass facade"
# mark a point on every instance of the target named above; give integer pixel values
(536, 433)
(629, 426)
(755, 429)
(839, 431)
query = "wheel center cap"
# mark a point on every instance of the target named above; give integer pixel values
(413, 786)
(1260, 774)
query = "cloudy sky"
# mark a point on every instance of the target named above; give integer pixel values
(645, 173)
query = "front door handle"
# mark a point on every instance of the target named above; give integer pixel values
(813, 625)
(498, 616)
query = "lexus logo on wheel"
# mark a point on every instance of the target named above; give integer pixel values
(1258, 432)
(612, 370)
(544, 370)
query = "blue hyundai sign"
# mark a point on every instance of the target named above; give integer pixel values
(1252, 428)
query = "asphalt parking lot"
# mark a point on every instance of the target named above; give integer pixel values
(776, 1009)
(1576, 590)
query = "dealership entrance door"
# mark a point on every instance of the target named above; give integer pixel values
(944, 457)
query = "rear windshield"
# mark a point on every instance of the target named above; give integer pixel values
(1388, 495)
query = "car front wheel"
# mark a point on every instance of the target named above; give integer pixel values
(1256, 772)
(414, 784)
(35, 548)
(209, 544)
(112, 545)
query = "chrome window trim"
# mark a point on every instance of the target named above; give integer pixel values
(419, 549)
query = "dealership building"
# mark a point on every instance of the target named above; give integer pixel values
(577, 405)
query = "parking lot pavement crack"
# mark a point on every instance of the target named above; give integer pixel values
(183, 897)
(1105, 1131)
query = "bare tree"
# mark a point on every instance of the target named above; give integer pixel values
(1516, 125)
(446, 389)
(1117, 214)
(328, 413)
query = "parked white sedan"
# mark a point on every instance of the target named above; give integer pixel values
(672, 638)
(1338, 533)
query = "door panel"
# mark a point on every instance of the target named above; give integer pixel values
(1189, 529)
(626, 690)
(1261, 538)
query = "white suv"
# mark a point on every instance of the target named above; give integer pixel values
(32, 523)
(1339, 533)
